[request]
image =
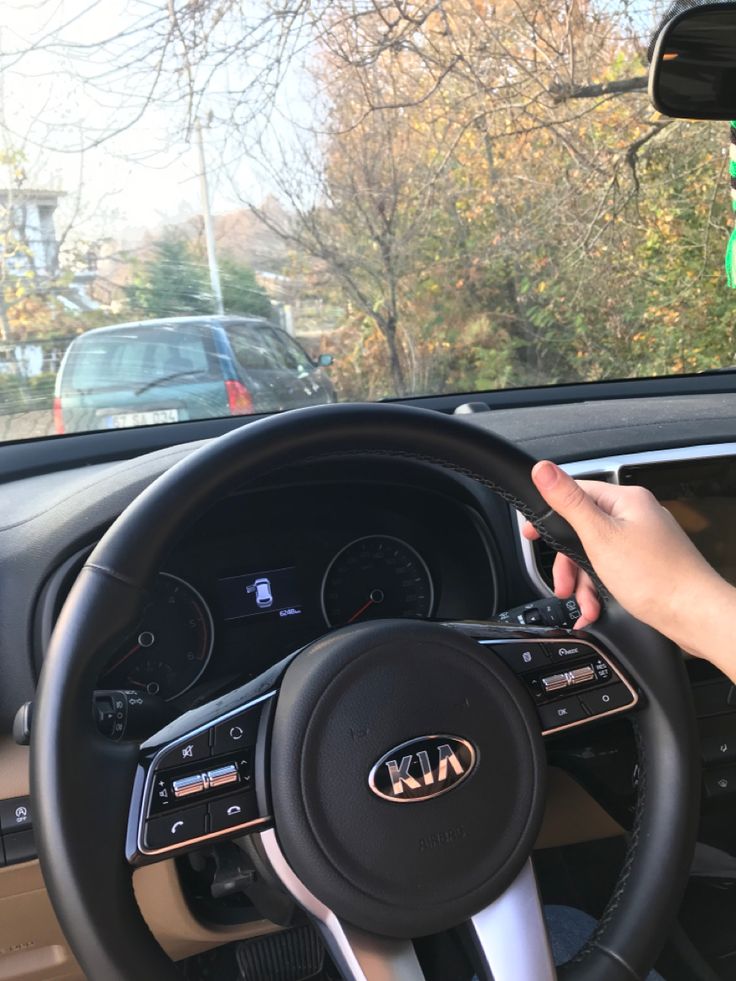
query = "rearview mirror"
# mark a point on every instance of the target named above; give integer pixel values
(693, 70)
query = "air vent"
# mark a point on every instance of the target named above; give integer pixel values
(544, 556)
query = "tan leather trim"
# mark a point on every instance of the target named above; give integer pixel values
(163, 905)
(32, 947)
(571, 815)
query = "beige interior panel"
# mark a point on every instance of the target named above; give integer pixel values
(169, 917)
(571, 815)
(32, 947)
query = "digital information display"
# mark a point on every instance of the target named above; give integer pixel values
(701, 495)
(274, 592)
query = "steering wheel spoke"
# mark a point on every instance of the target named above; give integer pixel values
(509, 936)
(201, 778)
(573, 679)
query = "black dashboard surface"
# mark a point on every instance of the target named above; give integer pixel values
(48, 518)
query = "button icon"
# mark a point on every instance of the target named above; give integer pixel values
(188, 751)
(526, 657)
(561, 713)
(21, 814)
(233, 810)
(175, 826)
(723, 783)
(605, 699)
(236, 733)
(723, 748)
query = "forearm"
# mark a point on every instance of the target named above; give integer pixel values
(705, 625)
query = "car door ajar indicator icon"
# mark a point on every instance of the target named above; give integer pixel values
(262, 589)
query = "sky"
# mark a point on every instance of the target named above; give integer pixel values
(59, 92)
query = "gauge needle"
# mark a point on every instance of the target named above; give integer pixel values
(362, 610)
(125, 657)
(138, 684)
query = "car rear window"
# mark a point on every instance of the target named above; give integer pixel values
(131, 358)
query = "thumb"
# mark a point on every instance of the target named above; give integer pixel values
(565, 496)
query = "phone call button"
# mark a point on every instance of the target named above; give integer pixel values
(176, 827)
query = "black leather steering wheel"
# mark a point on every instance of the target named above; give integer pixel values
(325, 725)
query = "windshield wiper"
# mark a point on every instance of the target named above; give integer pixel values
(163, 379)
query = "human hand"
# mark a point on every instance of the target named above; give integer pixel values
(639, 553)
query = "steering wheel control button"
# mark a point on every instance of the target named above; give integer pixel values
(581, 676)
(187, 751)
(186, 786)
(718, 739)
(237, 732)
(522, 657)
(561, 713)
(720, 782)
(606, 699)
(176, 827)
(555, 682)
(20, 847)
(222, 776)
(15, 814)
(568, 649)
(232, 811)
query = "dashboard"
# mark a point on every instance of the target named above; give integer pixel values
(277, 564)
(268, 571)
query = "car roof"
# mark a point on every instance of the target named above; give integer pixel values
(203, 320)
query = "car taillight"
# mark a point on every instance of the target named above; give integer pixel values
(238, 398)
(58, 418)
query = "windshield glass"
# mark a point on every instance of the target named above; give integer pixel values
(296, 203)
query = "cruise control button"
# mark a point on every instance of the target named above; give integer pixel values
(15, 814)
(521, 656)
(239, 731)
(568, 649)
(176, 827)
(561, 713)
(608, 698)
(229, 812)
(187, 751)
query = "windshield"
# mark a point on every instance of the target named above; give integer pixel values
(292, 203)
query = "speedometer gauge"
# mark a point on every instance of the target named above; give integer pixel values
(171, 645)
(375, 578)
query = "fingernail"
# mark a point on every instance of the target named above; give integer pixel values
(545, 475)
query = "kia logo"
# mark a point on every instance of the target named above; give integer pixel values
(422, 768)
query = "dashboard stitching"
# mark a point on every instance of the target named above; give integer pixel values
(126, 580)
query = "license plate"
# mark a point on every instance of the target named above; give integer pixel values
(123, 420)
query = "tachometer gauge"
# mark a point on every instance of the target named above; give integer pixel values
(171, 645)
(374, 578)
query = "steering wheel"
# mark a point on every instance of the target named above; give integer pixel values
(392, 773)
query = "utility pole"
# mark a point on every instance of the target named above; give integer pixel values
(209, 233)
